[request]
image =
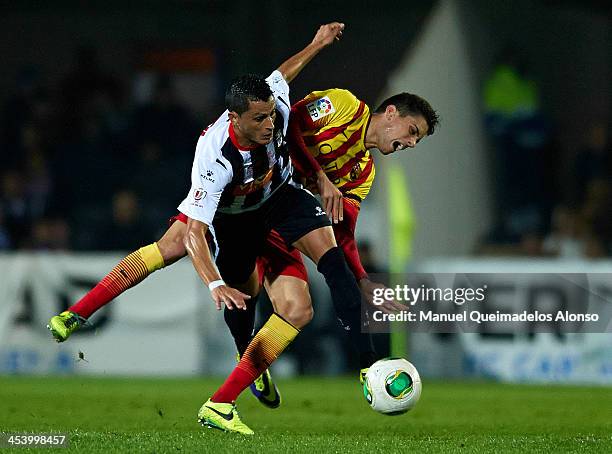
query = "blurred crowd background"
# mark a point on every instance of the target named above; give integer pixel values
(549, 200)
(83, 168)
(95, 156)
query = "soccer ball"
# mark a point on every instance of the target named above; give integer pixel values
(392, 386)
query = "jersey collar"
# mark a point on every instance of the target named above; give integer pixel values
(234, 140)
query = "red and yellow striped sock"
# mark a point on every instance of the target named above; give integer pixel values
(267, 345)
(126, 274)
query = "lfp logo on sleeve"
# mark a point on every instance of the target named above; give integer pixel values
(320, 108)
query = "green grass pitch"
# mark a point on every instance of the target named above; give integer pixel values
(318, 415)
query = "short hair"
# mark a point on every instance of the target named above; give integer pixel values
(410, 104)
(245, 89)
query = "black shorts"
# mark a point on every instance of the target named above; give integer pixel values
(292, 212)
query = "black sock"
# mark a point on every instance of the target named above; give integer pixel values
(241, 324)
(347, 302)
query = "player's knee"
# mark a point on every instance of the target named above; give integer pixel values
(307, 314)
(296, 313)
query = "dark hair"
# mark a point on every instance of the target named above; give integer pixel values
(409, 104)
(245, 89)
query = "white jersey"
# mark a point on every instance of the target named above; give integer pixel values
(232, 180)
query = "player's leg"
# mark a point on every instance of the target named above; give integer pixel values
(129, 272)
(241, 323)
(286, 284)
(240, 239)
(223, 414)
(320, 246)
(290, 298)
(285, 279)
(302, 226)
(291, 302)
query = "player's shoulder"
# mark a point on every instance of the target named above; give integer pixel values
(342, 93)
(218, 132)
(211, 142)
(276, 77)
(333, 100)
(280, 89)
(337, 104)
(278, 84)
(338, 95)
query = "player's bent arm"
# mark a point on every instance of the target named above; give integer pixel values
(326, 35)
(331, 197)
(197, 248)
(306, 164)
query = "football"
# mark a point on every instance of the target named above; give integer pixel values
(392, 386)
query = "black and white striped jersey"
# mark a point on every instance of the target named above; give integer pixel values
(230, 179)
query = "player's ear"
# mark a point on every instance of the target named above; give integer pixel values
(390, 112)
(234, 118)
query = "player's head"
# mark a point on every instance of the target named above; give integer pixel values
(251, 108)
(402, 121)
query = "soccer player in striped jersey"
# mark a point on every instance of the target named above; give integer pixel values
(332, 132)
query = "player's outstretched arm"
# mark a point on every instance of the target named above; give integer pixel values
(197, 248)
(325, 36)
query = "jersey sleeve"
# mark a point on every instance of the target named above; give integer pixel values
(210, 174)
(305, 164)
(318, 112)
(280, 90)
(321, 110)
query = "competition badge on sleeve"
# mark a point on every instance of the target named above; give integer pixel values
(320, 108)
